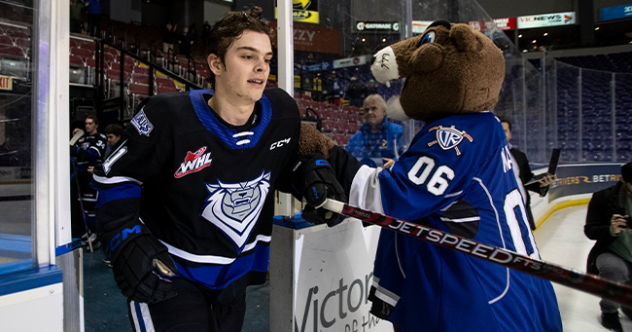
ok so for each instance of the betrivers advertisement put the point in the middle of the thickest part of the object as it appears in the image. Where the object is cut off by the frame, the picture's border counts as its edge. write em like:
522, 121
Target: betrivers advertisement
334, 269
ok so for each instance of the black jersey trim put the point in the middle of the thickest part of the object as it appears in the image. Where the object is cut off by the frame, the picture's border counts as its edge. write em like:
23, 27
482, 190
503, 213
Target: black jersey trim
227, 135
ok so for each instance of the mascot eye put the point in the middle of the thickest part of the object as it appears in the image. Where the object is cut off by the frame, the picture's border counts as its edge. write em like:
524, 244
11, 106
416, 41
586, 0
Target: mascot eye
428, 38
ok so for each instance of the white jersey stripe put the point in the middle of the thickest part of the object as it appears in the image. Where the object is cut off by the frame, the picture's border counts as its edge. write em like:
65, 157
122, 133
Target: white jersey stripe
470, 219
115, 179
210, 258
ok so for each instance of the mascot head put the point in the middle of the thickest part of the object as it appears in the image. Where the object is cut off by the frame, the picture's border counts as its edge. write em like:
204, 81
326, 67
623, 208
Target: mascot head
450, 69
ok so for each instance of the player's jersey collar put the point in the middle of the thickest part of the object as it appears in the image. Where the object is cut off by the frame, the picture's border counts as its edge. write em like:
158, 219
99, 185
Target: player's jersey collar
228, 135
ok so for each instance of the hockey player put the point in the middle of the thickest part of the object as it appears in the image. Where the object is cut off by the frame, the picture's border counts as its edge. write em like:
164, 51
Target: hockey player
89, 151
186, 201
457, 176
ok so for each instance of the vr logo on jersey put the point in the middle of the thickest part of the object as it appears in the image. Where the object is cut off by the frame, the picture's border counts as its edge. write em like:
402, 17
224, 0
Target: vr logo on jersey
235, 207
194, 162
449, 138
142, 124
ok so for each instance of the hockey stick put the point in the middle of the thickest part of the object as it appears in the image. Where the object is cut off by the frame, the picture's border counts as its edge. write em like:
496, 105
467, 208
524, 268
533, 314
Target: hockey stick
76, 137
585, 282
83, 213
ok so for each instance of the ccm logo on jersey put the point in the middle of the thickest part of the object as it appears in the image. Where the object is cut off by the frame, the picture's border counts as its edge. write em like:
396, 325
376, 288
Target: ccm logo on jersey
280, 143
194, 162
449, 138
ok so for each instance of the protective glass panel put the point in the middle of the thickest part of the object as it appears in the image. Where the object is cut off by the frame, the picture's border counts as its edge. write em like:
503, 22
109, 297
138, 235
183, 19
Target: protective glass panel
18, 34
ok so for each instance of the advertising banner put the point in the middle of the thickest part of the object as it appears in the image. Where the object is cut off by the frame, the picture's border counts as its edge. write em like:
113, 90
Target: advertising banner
334, 272
420, 26
583, 179
616, 12
377, 26
304, 11
313, 38
546, 20
351, 62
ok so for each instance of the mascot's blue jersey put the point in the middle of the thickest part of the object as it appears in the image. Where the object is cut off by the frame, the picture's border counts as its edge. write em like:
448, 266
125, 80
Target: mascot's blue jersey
203, 187
457, 177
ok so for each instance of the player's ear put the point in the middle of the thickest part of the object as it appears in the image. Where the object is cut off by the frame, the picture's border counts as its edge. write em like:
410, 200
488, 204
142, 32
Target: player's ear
214, 63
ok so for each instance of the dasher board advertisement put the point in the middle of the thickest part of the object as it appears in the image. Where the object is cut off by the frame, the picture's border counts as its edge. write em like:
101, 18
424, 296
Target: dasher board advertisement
546, 20
333, 277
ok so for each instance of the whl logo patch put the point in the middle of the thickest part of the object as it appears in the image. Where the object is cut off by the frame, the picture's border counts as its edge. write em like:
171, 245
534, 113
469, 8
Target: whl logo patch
194, 162
449, 138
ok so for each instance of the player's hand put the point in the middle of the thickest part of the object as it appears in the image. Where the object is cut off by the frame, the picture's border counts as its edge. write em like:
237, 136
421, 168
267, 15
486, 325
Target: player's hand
314, 179
141, 264
617, 224
547, 180
74, 131
90, 169
388, 162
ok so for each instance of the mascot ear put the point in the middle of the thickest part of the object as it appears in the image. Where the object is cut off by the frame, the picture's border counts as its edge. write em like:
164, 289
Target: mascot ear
465, 38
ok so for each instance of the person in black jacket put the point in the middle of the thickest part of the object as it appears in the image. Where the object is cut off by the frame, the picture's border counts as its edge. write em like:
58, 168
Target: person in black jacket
544, 180
611, 257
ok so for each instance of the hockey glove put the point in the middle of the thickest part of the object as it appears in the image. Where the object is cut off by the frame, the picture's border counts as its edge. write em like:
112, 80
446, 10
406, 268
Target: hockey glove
314, 179
141, 264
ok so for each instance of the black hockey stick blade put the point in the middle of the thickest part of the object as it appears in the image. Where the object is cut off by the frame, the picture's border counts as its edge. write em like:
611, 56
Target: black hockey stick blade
588, 283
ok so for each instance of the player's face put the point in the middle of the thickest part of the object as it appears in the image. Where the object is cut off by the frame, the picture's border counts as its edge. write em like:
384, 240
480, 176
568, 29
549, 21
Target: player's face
507, 131
113, 139
91, 127
374, 113
246, 67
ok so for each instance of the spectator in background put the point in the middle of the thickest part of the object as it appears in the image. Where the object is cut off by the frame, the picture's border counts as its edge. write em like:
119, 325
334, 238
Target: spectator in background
540, 187
94, 17
76, 22
331, 90
206, 31
185, 41
377, 139
89, 151
355, 92
113, 133
168, 37
371, 87
611, 257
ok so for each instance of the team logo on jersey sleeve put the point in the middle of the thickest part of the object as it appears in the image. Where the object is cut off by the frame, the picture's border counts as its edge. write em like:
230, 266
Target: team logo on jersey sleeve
235, 207
194, 162
449, 138
142, 124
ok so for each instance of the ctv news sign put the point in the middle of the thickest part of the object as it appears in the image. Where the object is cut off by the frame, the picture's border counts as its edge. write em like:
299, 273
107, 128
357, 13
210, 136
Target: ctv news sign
377, 26
616, 12
546, 20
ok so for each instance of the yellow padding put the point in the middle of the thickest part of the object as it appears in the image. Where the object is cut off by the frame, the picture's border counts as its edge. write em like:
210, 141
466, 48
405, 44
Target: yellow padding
559, 206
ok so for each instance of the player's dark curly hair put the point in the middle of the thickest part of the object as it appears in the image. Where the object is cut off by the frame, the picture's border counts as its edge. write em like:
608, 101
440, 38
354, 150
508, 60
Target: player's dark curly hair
626, 172
231, 27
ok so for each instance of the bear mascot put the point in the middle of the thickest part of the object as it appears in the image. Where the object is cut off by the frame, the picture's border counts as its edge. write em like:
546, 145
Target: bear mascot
457, 176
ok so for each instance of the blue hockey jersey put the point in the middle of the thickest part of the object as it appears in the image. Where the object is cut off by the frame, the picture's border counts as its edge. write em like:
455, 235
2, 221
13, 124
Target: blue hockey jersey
457, 176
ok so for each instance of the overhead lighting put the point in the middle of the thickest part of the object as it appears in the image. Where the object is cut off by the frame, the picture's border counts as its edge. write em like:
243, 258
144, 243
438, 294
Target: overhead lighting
519, 36
597, 28
534, 41
384, 40
546, 34
363, 40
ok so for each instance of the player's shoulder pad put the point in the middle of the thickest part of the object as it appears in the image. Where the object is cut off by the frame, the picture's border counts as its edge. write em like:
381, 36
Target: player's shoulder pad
160, 111
283, 105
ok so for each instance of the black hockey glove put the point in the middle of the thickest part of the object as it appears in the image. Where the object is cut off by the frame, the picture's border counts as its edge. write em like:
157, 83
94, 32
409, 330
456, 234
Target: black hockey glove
314, 179
141, 265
